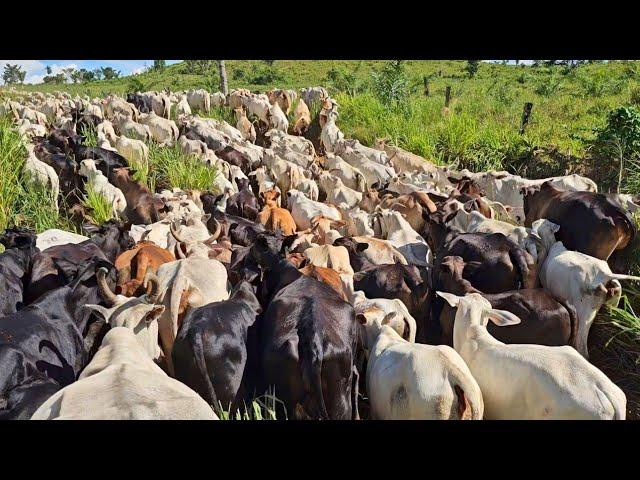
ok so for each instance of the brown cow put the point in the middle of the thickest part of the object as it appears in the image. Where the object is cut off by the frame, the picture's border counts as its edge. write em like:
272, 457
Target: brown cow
590, 222
142, 206
326, 275
411, 207
544, 320
145, 256
274, 217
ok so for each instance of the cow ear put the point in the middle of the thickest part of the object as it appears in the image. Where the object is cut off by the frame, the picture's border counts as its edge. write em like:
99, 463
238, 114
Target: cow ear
388, 318
90, 228
501, 317
361, 247
154, 313
100, 310
361, 318
451, 299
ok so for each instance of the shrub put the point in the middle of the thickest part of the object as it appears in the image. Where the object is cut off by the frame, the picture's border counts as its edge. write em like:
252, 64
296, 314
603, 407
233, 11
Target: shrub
391, 84
172, 168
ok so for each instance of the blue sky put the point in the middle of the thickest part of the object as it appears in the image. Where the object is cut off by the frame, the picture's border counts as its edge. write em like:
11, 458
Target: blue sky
36, 69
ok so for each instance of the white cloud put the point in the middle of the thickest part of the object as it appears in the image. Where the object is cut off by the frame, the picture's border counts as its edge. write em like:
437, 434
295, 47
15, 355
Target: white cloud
33, 68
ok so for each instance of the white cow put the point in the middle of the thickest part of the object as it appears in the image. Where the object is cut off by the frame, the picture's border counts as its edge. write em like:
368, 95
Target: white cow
163, 131
53, 236
529, 382
331, 135
583, 281
303, 209
410, 243
402, 322
100, 185
199, 100
42, 174
410, 381
123, 383
278, 118
187, 284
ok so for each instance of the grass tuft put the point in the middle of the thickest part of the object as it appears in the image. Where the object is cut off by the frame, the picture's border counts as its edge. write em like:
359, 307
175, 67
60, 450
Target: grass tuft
169, 168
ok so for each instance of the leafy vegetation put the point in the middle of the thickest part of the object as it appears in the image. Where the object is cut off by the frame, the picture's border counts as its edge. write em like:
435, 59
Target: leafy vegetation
169, 168
99, 209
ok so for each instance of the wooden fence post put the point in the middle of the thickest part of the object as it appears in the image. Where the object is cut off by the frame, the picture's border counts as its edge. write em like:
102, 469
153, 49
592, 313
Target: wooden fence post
425, 81
526, 113
447, 96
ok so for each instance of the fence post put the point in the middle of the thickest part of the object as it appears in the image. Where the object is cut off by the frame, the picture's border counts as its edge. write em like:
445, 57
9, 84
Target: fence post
447, 96
526, 113
425, 81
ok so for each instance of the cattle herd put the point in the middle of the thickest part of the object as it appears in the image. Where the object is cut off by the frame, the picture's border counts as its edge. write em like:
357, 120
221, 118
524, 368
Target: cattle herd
351, 281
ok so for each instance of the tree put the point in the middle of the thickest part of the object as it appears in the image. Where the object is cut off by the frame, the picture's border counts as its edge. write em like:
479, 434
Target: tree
472, 67
77, 76
48, 69
224, 85
97, 74
159, 65
13, 74
69, 72
87, 75
108, 73
57, 79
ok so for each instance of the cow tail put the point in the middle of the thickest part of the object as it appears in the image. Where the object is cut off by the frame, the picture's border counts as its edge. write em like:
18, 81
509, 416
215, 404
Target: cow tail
573, 318
198, 357
520, 263
467, 394
312, 370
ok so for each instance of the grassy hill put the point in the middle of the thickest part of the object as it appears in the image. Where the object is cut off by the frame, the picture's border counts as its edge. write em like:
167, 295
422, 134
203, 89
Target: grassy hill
479, 132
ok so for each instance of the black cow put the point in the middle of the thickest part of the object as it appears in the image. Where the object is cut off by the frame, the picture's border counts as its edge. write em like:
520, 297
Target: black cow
44, 341
15, 266
308, 340
58, 265
139, 102
244, 203
106, 160
210, 351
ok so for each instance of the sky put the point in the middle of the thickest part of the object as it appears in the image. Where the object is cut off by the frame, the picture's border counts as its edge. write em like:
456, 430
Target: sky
36, 69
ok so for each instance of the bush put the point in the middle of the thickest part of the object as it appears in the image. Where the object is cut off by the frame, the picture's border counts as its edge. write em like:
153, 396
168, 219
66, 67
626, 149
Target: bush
172, 168
548, 86
472, 67
344, 80
620, 138
265, 75
391, 84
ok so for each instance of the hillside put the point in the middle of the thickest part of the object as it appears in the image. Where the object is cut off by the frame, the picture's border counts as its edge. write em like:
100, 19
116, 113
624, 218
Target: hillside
481, 130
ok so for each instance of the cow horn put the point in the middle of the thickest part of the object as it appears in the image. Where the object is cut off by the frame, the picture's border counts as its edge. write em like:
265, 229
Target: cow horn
103, 288
179, 253
153, 278
217, 232
174, 232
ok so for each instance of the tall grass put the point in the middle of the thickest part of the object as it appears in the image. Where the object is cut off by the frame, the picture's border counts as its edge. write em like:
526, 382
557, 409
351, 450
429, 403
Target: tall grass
99, 207
23, 203
261, 408
169, 168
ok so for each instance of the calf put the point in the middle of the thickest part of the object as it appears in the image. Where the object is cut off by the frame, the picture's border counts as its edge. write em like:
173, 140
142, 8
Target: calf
210, 351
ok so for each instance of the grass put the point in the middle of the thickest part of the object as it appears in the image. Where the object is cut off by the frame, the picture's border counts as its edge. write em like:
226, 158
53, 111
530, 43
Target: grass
23, 203
261, 408
99, 207
169, 168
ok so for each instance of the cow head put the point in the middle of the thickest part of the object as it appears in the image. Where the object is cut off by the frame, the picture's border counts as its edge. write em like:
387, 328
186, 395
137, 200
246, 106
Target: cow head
18, 238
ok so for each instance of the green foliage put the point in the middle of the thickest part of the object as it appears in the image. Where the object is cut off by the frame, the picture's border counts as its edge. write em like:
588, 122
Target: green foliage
98, 207
266, 75
90, 136
159, 65
391, 84
13, 74
135, 84
345, 80
548, 85
472, 67
109, 73
23, 203
261, 408
169, 167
